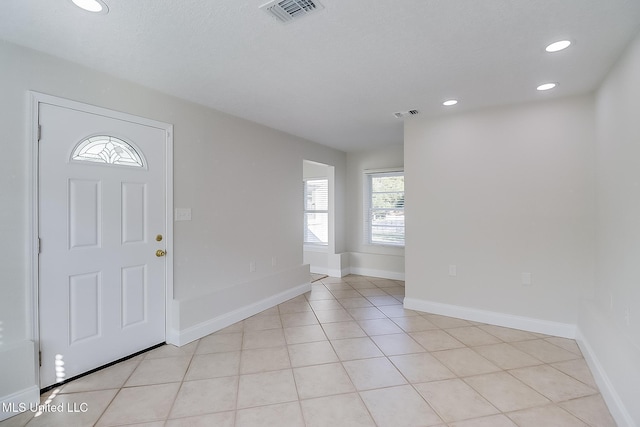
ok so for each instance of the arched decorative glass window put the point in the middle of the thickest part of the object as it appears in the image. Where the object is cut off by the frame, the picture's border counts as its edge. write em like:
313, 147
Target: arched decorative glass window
107, 149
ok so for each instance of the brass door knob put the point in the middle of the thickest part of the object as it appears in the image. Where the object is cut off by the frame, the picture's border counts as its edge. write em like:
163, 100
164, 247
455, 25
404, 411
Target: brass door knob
160, 253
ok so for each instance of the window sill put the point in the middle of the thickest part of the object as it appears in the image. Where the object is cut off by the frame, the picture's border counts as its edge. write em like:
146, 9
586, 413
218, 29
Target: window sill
384, 245
315, 248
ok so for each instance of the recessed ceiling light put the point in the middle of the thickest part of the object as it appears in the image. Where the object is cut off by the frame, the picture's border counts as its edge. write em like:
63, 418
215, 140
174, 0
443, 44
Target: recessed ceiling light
557, 46
450, 102
95, 6
547, 86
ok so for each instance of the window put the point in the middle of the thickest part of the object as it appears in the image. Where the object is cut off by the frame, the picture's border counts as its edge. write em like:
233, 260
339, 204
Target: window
107, 149
316, 211
384, 208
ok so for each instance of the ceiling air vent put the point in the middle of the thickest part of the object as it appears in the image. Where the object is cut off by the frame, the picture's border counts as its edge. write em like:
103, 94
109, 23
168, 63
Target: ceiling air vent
401, 114
288, 10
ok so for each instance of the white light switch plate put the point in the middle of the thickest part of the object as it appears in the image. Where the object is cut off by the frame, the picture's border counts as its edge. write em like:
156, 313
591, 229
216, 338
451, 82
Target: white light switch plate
183, 214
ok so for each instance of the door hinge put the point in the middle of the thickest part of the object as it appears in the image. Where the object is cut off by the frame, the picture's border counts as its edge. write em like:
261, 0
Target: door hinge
39, 132
39, 245
40, 358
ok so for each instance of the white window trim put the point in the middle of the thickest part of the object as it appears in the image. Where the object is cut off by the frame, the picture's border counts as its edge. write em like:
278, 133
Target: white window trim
368, 173
315, 246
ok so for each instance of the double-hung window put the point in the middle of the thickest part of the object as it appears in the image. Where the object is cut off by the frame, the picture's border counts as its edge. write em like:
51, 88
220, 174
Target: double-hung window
384, 208
316, 211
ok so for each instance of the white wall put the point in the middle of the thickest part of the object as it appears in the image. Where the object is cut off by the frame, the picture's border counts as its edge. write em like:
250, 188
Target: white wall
498, 193
366, 259
612, 339
241, 180
312, 170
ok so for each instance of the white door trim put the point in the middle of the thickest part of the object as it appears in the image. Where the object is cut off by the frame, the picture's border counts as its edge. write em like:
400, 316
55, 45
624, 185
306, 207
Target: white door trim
38, 98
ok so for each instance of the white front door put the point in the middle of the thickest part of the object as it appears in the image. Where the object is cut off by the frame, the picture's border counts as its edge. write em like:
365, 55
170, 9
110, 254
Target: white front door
102, 217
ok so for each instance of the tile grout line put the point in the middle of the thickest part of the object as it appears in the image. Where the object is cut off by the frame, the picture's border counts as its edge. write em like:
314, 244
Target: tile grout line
295, 383
175, 398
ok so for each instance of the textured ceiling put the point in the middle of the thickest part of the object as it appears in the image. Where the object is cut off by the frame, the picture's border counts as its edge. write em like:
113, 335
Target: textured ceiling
336, 77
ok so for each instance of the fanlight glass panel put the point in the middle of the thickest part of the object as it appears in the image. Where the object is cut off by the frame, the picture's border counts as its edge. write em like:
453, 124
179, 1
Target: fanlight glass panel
107, 149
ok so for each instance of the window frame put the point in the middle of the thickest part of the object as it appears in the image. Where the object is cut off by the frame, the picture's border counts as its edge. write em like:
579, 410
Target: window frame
80, 152
368, 208
306, 211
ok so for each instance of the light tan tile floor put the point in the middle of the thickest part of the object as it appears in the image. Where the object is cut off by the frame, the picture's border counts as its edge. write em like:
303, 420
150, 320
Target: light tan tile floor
345, 354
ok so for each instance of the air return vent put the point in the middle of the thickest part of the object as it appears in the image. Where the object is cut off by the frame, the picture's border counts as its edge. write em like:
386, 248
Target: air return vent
401, 114
289, 10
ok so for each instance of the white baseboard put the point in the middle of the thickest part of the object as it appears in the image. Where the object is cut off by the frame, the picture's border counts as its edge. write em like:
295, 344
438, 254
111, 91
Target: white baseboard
611, 397
18, 402
318, 270
202, 329
330, 271
557, 329
338, 273
337, 265
383, 274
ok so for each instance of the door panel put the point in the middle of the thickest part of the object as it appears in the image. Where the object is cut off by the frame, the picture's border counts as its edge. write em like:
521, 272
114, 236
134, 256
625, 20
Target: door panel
84, 307
133, 295
101, 286
133, 212
84, 213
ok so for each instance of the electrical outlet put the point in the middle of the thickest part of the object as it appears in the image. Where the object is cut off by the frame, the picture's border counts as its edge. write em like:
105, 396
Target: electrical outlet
627, 317
527, 279
274, 261
453, 270
252, 266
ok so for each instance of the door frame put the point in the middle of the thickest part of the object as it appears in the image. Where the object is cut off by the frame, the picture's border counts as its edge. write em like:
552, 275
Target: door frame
37, 98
